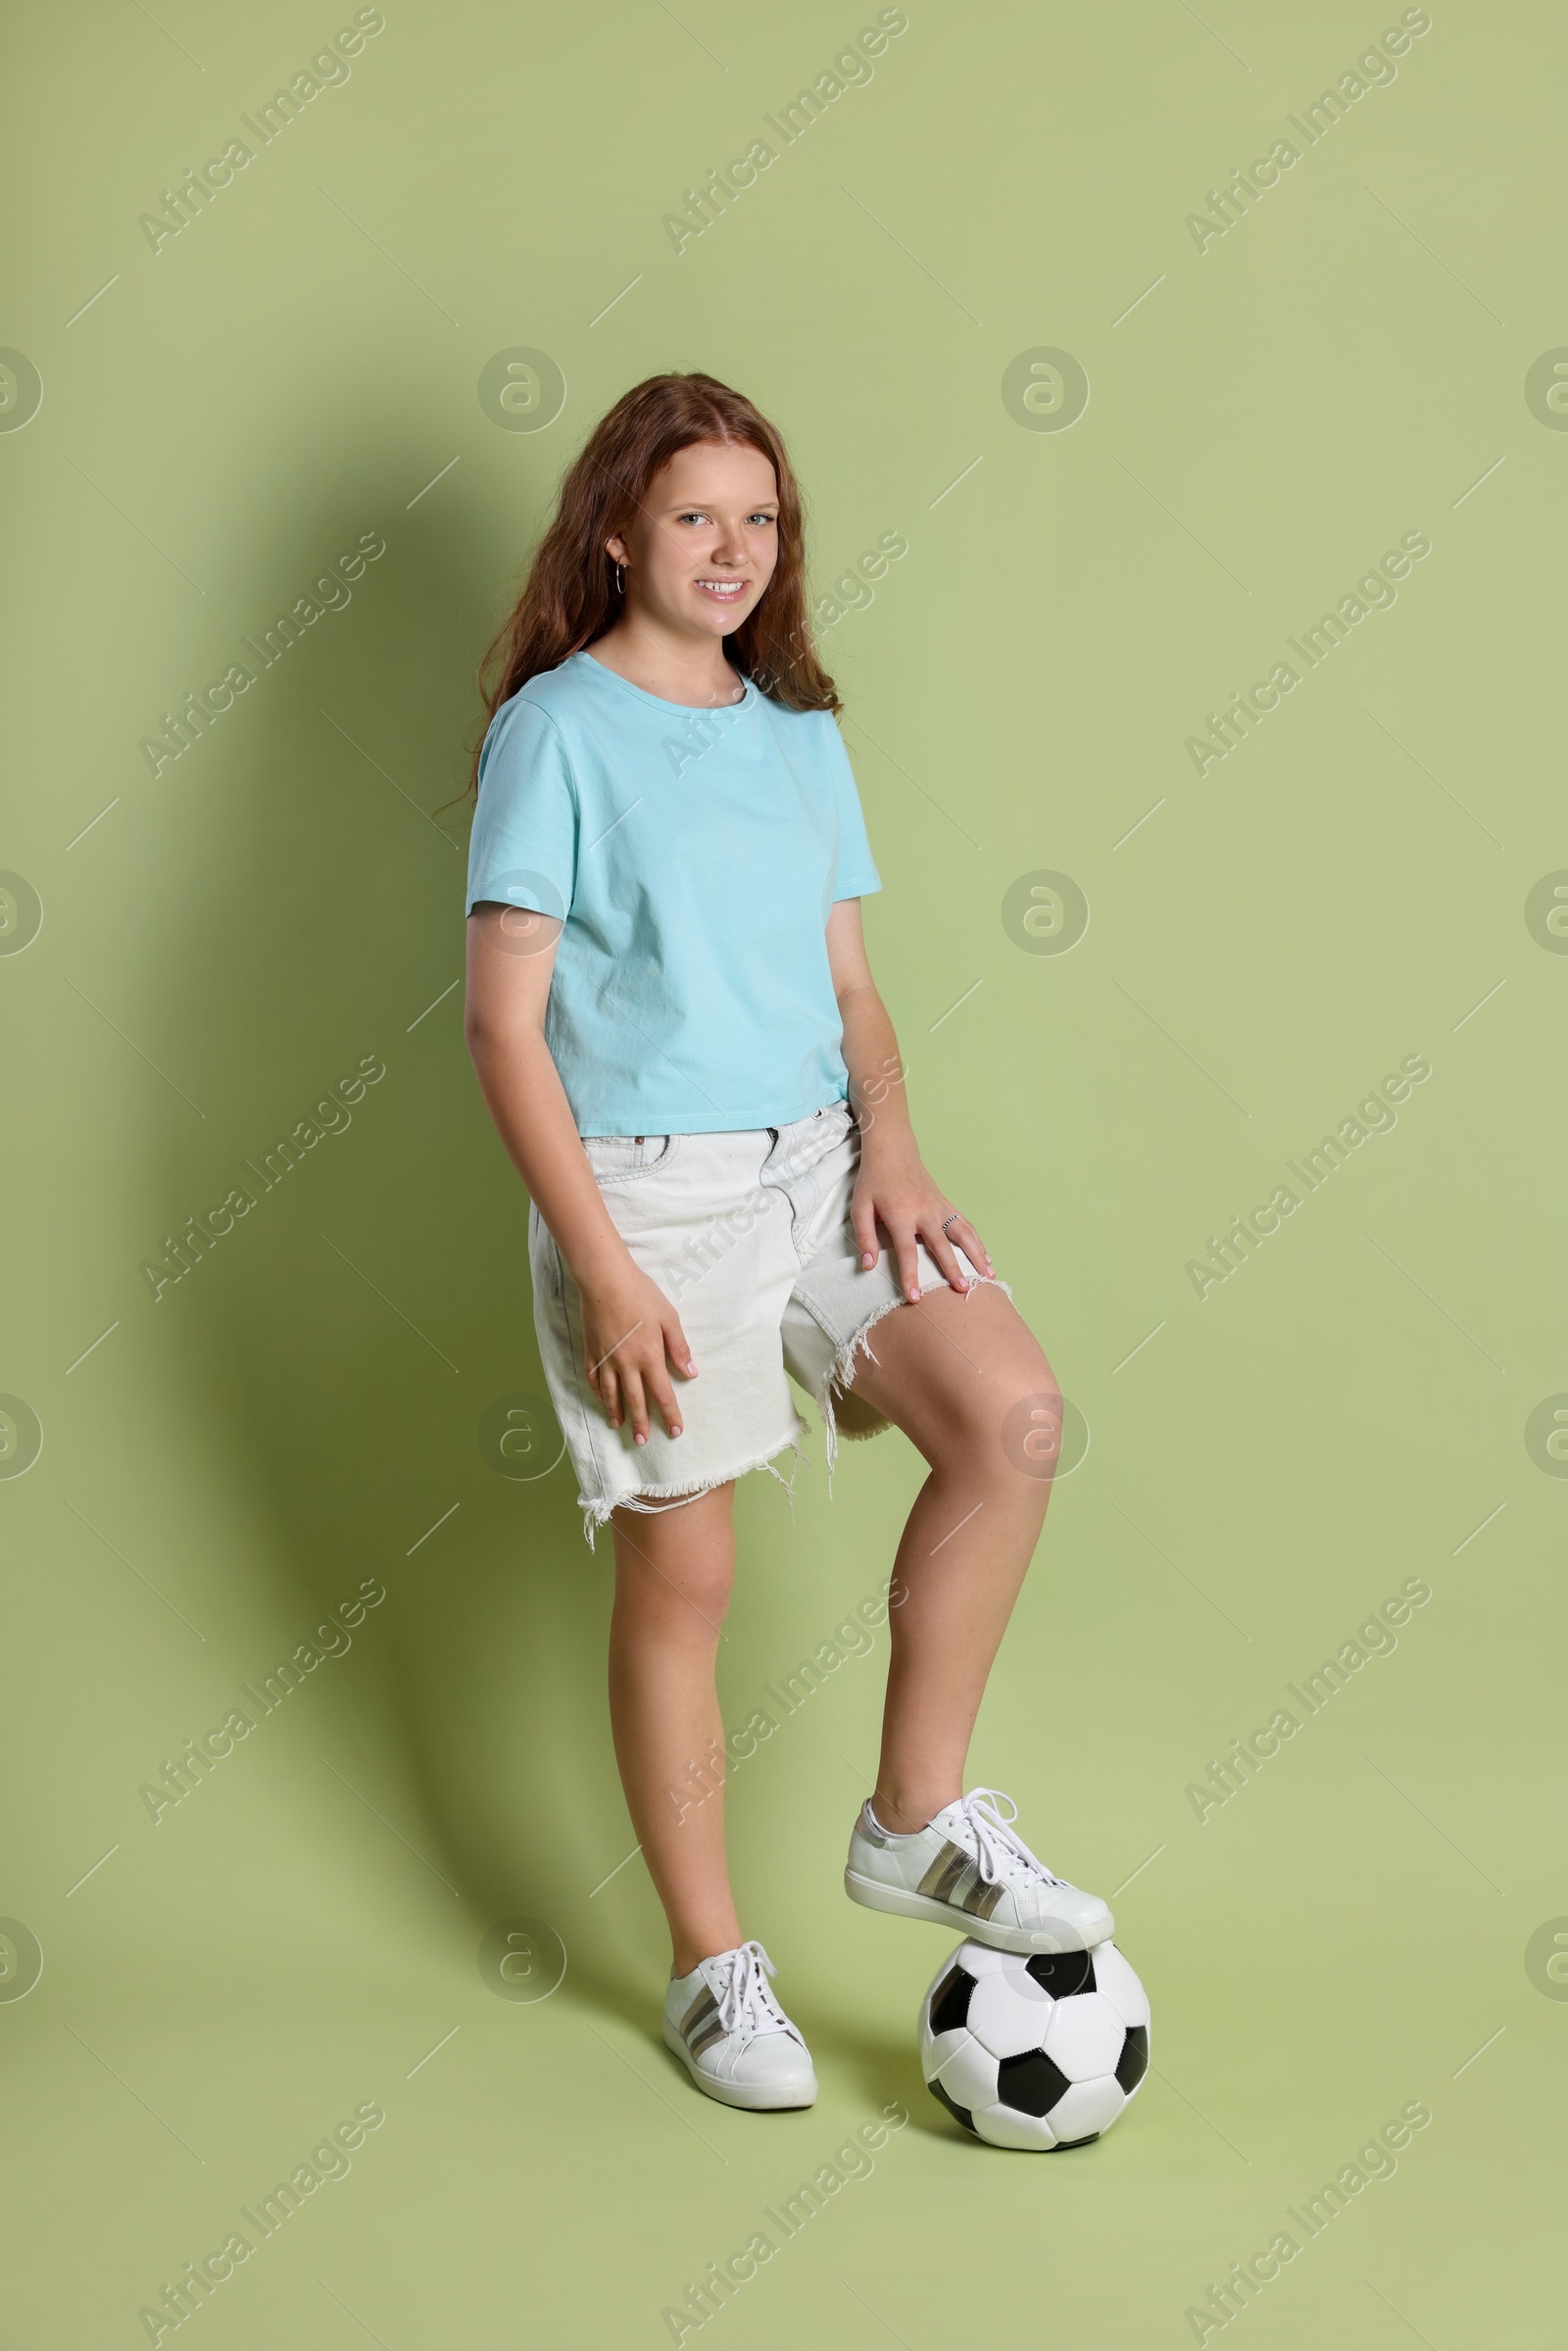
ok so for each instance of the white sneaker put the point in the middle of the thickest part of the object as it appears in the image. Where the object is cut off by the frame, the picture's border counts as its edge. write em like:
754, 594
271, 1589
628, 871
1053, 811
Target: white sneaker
966, 1869
737, 2044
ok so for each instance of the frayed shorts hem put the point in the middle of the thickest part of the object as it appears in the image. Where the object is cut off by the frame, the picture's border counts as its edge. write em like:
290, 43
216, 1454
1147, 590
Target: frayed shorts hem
652, 1501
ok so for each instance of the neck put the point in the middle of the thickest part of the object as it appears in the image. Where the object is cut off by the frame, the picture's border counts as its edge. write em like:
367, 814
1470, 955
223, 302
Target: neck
668, 663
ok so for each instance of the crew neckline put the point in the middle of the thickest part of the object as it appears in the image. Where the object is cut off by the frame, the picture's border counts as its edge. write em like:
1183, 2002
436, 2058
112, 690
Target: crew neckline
688, 710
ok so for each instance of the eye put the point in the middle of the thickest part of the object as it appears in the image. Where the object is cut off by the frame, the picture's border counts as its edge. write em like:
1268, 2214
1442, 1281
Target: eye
691, 515
764, 520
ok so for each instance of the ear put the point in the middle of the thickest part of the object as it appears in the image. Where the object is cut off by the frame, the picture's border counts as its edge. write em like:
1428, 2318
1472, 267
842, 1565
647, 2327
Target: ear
616, 549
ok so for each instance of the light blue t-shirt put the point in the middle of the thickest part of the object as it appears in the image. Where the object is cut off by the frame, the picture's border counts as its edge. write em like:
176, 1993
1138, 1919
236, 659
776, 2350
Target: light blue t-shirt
694, 856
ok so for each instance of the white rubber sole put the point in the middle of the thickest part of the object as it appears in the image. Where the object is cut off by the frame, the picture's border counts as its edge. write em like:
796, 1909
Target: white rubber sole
768, 2098
898, 1903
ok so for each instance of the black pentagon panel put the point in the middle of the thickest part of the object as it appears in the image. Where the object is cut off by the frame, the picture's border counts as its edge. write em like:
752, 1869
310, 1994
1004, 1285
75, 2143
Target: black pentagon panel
1133, 2063
950, 2002
961, 2112
1062, 2144
1030, 2084
1063, 1973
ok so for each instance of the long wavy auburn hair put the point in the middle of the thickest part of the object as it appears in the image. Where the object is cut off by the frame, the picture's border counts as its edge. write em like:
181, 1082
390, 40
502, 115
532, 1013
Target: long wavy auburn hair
570, 598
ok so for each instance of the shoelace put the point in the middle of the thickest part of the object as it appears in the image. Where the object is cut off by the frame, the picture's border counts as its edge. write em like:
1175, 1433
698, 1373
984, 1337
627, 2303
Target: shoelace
745, 2004
1001, 1854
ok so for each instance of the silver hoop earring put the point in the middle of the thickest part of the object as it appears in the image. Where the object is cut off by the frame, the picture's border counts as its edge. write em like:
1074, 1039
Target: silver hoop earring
620, 579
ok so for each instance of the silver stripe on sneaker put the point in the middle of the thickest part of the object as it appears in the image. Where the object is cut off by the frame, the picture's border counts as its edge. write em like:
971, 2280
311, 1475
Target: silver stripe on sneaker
981, 1900
954, 1878
961, 1891
700, 2027
944, 1872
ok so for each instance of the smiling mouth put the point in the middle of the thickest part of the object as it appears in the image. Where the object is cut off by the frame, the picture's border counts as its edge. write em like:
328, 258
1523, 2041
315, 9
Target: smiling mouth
722, 590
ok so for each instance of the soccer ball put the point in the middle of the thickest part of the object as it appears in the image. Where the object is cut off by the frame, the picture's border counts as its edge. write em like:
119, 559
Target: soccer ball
1040, 2052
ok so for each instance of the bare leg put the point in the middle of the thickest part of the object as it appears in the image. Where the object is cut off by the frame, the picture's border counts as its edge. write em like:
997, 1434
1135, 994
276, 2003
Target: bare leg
948, 1372
673, 1573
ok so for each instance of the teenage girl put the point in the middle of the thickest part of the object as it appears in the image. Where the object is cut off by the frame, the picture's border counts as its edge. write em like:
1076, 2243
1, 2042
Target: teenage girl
676, 1030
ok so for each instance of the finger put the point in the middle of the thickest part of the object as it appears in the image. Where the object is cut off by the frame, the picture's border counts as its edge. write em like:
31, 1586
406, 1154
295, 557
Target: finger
609, 1388
904, 1250
663, 1396
973, 1247
678, 1348
636, 1406
863, 1213
942, 1249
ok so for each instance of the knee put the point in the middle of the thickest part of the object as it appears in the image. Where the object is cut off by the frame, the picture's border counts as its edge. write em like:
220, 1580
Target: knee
1029, 1434
1014, 1423
684, 1601
1029, 1379
700, 1599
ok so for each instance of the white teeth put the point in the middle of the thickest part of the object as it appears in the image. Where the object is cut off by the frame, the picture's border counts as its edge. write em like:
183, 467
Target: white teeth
721, 587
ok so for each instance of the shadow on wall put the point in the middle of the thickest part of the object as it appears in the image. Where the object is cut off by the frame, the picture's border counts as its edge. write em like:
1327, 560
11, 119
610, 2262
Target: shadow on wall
347, 1336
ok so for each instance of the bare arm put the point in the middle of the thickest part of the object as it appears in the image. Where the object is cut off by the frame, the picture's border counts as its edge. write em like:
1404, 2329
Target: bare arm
893, 1188
629, 1326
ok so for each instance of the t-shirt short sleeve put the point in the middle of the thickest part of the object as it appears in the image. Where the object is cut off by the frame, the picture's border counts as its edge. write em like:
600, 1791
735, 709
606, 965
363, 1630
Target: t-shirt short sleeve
855, 874
522, 850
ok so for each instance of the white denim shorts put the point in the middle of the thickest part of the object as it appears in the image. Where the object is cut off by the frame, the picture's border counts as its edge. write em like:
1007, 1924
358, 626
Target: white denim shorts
749, 1236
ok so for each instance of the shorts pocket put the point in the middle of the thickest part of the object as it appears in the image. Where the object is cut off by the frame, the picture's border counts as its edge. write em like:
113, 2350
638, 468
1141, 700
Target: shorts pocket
620, 1158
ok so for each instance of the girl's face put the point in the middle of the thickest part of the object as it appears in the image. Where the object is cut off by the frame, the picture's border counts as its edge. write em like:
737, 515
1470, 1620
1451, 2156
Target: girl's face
702, 546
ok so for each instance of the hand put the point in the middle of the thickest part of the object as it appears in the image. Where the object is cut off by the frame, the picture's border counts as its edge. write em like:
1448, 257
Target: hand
894, 1188
630, 1329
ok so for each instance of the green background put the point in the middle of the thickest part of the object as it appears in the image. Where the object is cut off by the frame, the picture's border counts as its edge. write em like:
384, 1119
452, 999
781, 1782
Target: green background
223, 417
